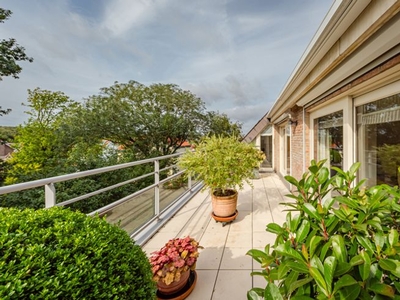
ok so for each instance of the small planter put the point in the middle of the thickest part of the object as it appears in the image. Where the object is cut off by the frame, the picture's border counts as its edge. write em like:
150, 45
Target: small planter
184, 292
224, 206
175, 286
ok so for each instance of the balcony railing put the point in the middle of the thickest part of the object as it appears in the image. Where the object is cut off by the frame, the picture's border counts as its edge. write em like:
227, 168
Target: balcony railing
141, 213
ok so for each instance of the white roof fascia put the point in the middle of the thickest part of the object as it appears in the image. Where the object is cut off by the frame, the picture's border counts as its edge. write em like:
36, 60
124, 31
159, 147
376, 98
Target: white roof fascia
340, 16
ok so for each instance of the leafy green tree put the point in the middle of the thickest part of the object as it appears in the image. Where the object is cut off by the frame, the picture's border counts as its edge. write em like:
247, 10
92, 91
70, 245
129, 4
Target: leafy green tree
149, 120
7, 133
221, 125
10, 52
38, 142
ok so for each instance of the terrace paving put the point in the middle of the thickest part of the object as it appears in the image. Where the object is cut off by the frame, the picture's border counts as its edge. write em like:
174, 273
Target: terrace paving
223, 268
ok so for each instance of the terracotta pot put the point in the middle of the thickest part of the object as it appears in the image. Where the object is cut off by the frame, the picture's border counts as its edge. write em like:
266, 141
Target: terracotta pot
224, 206
174, 286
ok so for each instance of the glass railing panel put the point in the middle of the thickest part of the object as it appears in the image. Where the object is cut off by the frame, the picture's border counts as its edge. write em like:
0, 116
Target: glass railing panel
172, 190
133, 213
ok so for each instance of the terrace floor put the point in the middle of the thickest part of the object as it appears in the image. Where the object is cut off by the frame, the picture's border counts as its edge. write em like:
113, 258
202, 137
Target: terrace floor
223, 268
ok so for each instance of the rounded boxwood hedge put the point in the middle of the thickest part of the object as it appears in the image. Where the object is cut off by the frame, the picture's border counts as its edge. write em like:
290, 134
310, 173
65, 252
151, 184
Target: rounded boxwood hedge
60, 254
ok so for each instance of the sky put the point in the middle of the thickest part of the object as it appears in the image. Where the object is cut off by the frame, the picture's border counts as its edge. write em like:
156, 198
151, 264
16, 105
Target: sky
236, 55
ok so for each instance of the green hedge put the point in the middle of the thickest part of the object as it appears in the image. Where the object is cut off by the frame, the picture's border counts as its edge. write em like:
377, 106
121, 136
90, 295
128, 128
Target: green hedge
60, 254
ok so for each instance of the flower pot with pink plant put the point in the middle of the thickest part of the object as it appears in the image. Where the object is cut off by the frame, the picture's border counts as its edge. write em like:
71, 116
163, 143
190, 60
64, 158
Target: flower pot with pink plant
173, 264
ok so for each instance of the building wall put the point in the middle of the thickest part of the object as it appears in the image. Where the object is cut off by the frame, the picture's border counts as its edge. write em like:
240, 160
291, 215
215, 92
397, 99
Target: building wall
360, 61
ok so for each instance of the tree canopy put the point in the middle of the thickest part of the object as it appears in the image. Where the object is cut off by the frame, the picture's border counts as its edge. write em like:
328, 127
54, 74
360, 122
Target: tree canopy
149, 120
10, 52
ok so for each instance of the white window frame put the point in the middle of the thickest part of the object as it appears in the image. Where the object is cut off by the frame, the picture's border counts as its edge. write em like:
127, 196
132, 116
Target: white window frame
344, 104
375, 95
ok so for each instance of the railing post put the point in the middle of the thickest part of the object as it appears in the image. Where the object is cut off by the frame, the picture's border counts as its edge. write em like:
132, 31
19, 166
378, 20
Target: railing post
157, 188
50, 195
190, 183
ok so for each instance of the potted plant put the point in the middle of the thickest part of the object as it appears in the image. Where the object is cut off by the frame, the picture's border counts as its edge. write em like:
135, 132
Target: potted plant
224, 164
173, 263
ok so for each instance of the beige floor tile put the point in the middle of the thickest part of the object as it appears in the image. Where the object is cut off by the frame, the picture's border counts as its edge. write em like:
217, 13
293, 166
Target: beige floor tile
239, 239
243, 222
204, 285
262, 238
236, 259
158, 241
213, 239
232, 284
209, 258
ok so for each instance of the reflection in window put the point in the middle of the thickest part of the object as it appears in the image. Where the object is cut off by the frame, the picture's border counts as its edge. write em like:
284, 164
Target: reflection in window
329, 142
378, 137
287, 149
266, 147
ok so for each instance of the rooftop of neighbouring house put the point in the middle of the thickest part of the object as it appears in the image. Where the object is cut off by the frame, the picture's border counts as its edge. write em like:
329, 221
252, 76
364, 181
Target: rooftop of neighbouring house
223, 268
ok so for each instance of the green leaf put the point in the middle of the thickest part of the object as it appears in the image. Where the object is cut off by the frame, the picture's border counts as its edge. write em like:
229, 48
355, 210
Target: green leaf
295, 285
339, 248
329, 269
382, 289
366, 243
315, 240
323, 175
285, 249
303, 231
387, 264
393, 237
350, 292
272, 292
294, 223
345, 280
364, 269
342, 268
375, 223
298, 267
260, 256
310, 210
356, 260
255, 294
292, 180
292, 277
274, 228
379, 239
319, 279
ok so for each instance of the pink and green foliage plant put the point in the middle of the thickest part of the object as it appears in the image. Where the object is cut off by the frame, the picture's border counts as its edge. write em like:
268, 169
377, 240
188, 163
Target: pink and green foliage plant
175, 257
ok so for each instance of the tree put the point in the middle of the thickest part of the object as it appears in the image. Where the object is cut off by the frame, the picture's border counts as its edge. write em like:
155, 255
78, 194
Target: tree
10, 53
220, 124
38, 142
149, 120
4, 111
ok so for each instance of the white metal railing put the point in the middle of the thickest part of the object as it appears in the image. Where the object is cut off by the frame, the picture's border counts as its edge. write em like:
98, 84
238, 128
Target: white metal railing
50, 190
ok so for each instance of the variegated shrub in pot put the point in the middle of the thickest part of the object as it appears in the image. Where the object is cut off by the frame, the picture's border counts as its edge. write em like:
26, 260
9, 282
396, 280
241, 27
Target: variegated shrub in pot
340, 241
224, 164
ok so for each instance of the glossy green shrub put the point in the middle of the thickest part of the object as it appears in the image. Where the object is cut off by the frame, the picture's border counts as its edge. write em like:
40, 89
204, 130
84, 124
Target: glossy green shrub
60, 254
344, 246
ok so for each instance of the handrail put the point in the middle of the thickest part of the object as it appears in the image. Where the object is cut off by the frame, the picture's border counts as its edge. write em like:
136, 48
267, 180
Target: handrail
150, 226
47, 181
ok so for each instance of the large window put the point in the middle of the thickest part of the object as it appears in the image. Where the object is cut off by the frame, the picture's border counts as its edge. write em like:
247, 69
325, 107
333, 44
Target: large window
378, 140
329, 141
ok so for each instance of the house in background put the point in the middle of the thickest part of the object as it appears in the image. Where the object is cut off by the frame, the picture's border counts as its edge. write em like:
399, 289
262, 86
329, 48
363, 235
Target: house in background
5, 150
342, 101
261, 136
